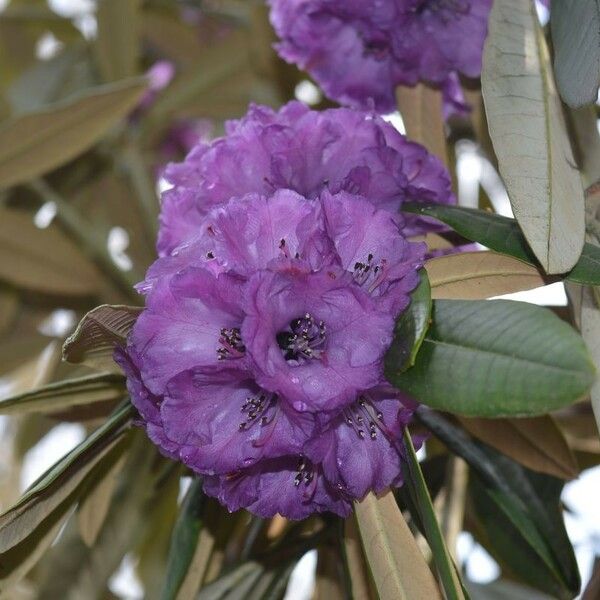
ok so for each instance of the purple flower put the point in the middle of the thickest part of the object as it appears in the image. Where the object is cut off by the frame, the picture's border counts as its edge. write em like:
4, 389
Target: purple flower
359, 51
258, 360
304, 151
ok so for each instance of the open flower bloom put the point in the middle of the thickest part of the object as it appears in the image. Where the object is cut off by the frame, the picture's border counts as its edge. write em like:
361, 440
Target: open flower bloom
359, 51
305, 151
258, 361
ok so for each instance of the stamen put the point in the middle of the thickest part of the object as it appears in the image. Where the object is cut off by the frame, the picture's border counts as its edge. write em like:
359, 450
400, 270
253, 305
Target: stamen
257, 409
232, 345
362, 413
305, 474
370, 275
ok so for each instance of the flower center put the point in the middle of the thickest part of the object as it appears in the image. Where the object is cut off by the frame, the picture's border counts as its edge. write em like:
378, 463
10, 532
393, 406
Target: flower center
304, 339
231, 344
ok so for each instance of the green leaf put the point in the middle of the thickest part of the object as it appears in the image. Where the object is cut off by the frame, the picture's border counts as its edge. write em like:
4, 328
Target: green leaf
398, 567
497, 358
504, 590
528, 501
514, 540
94, 504
20, 558
576, 42
184, 540
504, 235
53, 397
415, 481
118, 40
63, 478
45, 81
529, 136
35, 143
219, 588
411, 327
98, 334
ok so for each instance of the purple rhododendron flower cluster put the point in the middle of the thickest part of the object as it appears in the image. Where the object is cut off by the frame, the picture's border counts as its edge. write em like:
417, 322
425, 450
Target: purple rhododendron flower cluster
360, 50
258, 361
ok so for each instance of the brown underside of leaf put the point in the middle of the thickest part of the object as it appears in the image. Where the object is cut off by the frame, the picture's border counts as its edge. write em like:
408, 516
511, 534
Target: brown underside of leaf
421, 110
43, 260
480, 275
537, 443
397, 565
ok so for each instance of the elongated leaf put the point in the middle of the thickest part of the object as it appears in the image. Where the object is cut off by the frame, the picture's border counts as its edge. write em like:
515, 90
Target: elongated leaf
529, 500
98, 334
411, 327
184, 540
590, 330
504, 590
9, 306
357, 569
117, 44
479, 275
219, 588
398, 567
576, 40
497, 358
86, 571
18, 560
94, 506
34, 143
226, 60
60, 481
447, 571
43, 260
422, 114
53, 397
515, 542
201, 560
45, 81
160, 519
329, 585
530, 137
503, 235
536, 442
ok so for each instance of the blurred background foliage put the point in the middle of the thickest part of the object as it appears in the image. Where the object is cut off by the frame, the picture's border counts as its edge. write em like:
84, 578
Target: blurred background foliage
93, 102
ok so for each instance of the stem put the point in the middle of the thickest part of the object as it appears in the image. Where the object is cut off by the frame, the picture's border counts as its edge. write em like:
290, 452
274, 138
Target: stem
86, 236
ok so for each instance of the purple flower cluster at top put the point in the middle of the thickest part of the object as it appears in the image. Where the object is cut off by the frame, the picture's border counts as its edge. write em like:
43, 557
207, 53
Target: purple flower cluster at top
283, 264
360, 50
